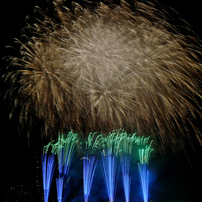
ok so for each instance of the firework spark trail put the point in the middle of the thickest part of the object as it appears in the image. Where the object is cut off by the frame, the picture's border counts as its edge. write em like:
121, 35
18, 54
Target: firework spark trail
144, 155
48, 167
109, 167
60, 179
125, 167
109, 162
64, 148
125, 150
107, 67
59, 185
92, 145
89, 166
144, 176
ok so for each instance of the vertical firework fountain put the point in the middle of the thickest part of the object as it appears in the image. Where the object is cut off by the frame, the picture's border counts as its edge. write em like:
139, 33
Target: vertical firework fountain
89, 163
144, 154
125, 155
48, 167
109, 163
64, 149
89, 166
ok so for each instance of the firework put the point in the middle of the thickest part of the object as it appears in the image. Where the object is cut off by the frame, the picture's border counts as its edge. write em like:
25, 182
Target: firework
111, 143
118, 144
64, 148
109, 163
59, 184
126, 142
109, 168
48, 161
92, 145
126, 178
89, 166
125, 150
144, 176
144, 154
106, 67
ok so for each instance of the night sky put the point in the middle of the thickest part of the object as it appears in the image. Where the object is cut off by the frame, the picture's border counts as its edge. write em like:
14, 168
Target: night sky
173, 171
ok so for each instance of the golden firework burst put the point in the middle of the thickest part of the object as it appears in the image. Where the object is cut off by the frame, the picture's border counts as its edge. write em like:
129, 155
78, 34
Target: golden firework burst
106, 67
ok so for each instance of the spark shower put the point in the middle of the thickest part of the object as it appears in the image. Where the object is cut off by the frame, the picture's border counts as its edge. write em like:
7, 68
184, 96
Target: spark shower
101, 66
112, 152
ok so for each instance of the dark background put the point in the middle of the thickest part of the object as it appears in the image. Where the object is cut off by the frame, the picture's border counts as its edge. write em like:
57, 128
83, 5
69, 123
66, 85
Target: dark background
175, 175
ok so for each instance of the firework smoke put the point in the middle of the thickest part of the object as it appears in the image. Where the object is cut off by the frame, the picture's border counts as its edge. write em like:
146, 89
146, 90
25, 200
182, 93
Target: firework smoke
105, 67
